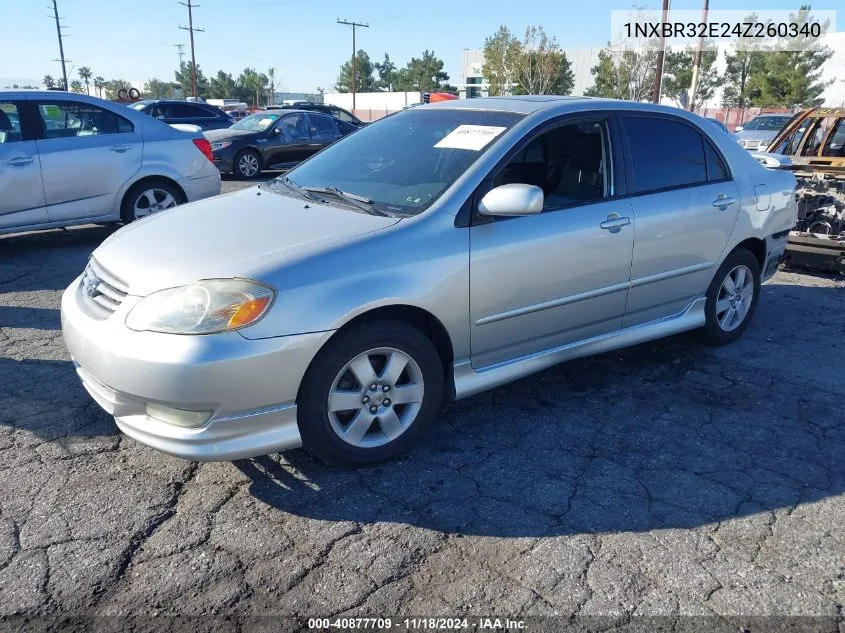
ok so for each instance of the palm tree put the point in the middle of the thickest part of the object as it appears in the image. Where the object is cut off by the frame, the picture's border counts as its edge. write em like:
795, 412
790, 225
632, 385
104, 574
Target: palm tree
99, 84
271, 73
76, 86
48, 81
85, 75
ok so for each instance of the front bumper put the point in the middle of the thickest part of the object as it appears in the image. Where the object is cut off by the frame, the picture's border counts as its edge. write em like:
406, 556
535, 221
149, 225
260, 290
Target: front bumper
223, 161
250, 386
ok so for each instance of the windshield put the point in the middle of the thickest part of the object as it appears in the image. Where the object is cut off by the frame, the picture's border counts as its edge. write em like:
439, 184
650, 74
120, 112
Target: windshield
140, 105
258, 122
772, 123
404, 162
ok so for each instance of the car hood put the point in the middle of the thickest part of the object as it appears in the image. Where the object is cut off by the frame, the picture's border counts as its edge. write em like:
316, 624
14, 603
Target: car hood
227, 134
249, 233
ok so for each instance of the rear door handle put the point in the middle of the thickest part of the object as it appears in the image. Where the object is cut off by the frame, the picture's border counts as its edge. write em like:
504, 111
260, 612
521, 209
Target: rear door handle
120, 148
723, 202
614, 223
20, 160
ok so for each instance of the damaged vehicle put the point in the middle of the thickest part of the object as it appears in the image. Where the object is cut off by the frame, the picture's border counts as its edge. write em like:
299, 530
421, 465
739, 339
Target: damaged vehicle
812, 146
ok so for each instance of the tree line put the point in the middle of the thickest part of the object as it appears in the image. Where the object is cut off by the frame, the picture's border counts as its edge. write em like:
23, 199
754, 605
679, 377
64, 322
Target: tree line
752, 78
423, 74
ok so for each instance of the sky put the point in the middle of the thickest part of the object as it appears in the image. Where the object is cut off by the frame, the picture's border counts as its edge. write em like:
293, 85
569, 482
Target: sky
136, 40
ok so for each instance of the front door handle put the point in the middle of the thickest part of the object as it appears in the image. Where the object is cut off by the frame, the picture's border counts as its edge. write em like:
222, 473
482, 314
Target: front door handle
20, 160
723, 202
120, 148
615, 222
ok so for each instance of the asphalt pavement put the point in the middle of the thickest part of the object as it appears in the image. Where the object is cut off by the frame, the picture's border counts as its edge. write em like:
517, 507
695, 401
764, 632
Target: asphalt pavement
670, 479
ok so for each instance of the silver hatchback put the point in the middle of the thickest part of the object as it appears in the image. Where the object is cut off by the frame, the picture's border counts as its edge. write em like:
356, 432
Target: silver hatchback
441, 251
70, 159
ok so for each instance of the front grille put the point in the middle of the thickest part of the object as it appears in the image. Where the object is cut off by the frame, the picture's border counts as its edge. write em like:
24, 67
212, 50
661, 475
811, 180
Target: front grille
102, 292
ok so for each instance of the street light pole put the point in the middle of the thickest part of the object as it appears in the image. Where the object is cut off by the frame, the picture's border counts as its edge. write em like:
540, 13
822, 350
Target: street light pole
354, 25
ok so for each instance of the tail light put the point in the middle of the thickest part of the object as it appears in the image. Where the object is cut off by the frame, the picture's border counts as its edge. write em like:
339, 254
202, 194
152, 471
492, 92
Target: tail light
205, 147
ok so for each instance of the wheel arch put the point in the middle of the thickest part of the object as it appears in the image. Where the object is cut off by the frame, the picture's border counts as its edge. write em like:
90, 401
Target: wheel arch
756, 246
416, 317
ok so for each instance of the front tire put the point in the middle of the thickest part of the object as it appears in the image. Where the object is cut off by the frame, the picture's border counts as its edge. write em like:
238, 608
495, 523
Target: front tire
247, 164
370, 394
731, 298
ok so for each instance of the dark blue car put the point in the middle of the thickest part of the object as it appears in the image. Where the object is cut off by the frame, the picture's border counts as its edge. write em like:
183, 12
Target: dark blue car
208, 117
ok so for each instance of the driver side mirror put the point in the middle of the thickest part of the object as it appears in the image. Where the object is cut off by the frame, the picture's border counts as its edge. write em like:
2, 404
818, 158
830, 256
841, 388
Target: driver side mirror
514, 199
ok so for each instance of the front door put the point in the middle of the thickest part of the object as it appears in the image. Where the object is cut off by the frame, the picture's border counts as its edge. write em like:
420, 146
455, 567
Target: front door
686, 204
87, 154
292, 141
21, 192
324, 131
541, 281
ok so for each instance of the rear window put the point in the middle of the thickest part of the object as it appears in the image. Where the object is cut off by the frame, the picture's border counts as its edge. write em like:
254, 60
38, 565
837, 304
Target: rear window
665, 153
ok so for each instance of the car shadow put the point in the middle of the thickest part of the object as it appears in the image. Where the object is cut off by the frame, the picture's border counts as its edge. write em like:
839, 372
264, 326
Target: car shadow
669, 434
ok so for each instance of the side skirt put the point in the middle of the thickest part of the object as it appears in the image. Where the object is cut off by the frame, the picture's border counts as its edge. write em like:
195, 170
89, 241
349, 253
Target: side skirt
469, 381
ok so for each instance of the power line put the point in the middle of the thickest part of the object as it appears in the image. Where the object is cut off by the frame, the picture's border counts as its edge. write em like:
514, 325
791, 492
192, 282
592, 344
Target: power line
190, 28
61, 46
354, 25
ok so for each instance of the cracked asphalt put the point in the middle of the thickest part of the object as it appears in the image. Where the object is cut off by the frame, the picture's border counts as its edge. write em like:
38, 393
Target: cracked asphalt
670, 479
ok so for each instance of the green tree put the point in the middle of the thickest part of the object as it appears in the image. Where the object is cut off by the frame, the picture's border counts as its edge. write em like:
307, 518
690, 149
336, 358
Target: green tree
742, 70
386, 73
271, 85
424, 74
223, 86
677, 77
157, 89
76, 86
502, 52
542, 67
99, 84
364, 81
184, 79
624, 74
792, 78
112, 86
251, 85
48, 81
85, 75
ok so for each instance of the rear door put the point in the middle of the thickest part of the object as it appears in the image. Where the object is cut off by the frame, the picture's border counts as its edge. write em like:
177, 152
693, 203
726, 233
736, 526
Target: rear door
21, 192
87, 154
686, 204
324, 131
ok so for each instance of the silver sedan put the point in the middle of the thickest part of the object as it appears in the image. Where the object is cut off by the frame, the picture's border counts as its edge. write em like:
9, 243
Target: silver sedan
70, 159
439, 252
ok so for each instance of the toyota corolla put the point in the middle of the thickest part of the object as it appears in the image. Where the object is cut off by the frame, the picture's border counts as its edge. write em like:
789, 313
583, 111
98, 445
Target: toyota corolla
444, 250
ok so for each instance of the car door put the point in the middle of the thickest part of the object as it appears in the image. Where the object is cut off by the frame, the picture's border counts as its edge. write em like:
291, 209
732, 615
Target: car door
324, 131
87, 154
686, 204
293, 140
21, 191
545, 280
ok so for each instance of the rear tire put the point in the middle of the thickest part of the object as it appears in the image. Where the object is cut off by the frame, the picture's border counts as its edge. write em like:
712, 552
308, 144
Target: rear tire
148, 197
247, 164
370, 394
731, 298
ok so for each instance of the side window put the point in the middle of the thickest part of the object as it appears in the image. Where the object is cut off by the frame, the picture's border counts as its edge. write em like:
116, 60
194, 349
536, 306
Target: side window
835, 146
10, 123
323, 128
343, 115
664, 153
63, 119
295, 129
716, 170
569, 163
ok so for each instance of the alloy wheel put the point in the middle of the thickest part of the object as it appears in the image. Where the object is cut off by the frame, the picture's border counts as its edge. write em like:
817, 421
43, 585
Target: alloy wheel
248, 165
152, 201
734, 298
375, 397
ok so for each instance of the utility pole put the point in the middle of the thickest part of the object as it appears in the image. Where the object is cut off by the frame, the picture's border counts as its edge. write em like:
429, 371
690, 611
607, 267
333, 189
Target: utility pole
658, 70
696, 62
354, 25
61, 46
181, 53
190, 28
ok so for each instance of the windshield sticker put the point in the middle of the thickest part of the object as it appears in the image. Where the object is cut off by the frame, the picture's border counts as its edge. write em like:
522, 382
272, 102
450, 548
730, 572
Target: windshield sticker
473, 137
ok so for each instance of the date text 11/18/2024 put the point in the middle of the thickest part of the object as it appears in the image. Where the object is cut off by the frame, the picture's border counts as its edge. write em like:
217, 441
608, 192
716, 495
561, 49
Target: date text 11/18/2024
415, 624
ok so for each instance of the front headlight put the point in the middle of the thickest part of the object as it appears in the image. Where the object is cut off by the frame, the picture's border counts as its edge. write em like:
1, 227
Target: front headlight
205, 307
220, 145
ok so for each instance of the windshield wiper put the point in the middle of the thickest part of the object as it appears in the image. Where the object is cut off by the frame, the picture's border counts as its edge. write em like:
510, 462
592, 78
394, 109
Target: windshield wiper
363, 203
292, 186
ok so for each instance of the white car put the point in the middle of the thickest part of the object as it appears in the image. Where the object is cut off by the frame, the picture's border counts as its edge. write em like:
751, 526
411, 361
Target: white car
70, 159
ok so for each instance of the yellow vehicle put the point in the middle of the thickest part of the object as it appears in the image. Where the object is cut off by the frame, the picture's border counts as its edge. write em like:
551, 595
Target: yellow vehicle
814, 141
